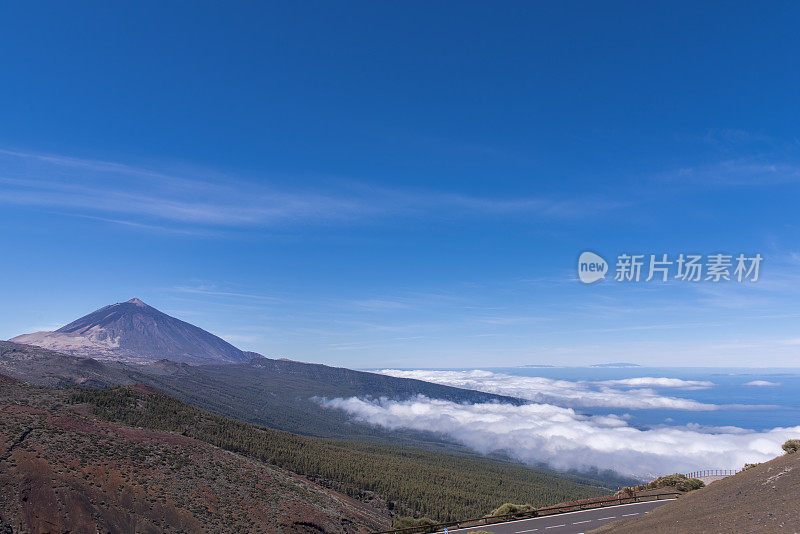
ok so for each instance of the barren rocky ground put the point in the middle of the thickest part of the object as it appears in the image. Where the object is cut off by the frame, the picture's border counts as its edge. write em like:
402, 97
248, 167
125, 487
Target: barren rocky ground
763, 499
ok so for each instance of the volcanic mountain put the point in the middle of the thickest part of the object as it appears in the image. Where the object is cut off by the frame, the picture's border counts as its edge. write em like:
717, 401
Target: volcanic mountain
134, 332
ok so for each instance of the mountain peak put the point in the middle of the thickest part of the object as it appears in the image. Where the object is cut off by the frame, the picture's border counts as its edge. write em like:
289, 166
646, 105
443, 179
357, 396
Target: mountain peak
132, 331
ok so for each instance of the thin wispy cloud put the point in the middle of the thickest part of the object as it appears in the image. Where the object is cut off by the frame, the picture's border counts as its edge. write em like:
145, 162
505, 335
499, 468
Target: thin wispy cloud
762, 383
735, 173
227, 207
726, 138
200, 290
382, 304
117, 192
149, 227
239, 338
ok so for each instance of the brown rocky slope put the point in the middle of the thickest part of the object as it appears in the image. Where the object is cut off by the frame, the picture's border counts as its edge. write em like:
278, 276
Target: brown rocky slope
64, 470
763, 499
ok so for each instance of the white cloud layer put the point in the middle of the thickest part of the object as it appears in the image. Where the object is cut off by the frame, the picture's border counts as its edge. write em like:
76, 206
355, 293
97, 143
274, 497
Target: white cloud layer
566, 392
565, 439
762, 383
658, 382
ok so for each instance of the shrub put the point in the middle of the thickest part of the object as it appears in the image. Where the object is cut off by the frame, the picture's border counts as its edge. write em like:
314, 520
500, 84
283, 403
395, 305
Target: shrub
677, 481
748, 466
509, 508
791, 446
690, 484
424, 523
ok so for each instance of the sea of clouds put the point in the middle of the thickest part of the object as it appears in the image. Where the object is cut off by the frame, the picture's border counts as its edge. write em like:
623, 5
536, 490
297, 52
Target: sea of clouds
639, 393
551, 430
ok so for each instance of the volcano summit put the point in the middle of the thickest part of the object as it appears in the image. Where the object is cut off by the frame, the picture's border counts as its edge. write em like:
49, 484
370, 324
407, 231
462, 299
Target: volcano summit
134, 332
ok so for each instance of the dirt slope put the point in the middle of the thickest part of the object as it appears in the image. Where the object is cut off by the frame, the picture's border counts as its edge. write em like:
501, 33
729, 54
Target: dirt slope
63, 470
763, 499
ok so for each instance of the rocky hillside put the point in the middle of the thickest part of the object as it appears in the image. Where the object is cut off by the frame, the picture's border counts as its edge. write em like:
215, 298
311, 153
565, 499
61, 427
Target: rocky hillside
134, 332
64, 470
397, 472
45, 367
762, 499
274, 393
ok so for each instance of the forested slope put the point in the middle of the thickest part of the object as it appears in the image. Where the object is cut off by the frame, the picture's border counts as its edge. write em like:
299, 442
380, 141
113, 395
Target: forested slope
63, 469
278, 393
440, 485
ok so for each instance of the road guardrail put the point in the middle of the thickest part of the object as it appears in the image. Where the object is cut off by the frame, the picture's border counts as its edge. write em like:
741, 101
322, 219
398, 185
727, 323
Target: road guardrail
712, 473
573, 506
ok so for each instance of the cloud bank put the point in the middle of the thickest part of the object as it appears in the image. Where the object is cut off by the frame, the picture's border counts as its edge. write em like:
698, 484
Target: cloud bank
568, 393
659, 382
565, 439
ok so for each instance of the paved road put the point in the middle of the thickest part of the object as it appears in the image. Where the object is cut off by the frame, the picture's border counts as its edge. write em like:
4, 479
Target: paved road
571, 522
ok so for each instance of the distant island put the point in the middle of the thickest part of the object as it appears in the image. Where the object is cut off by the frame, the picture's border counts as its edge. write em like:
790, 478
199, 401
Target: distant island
535, 365
619, 364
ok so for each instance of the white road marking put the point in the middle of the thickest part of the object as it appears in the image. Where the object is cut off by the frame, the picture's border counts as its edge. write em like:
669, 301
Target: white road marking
469, 529
531, 530
556, 526
579, 522
604, 518
626, 515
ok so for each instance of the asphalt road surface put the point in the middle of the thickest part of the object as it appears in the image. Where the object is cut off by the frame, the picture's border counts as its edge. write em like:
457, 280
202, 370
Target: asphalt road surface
571, 522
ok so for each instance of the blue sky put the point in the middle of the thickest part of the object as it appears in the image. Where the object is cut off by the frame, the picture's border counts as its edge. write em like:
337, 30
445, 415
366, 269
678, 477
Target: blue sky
405, 184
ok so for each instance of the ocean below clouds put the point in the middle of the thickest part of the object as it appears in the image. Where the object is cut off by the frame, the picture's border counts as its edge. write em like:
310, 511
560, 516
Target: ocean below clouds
637, 421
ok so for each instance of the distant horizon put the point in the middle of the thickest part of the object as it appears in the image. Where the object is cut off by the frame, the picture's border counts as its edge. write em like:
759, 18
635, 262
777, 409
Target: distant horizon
596, 365
571, 367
